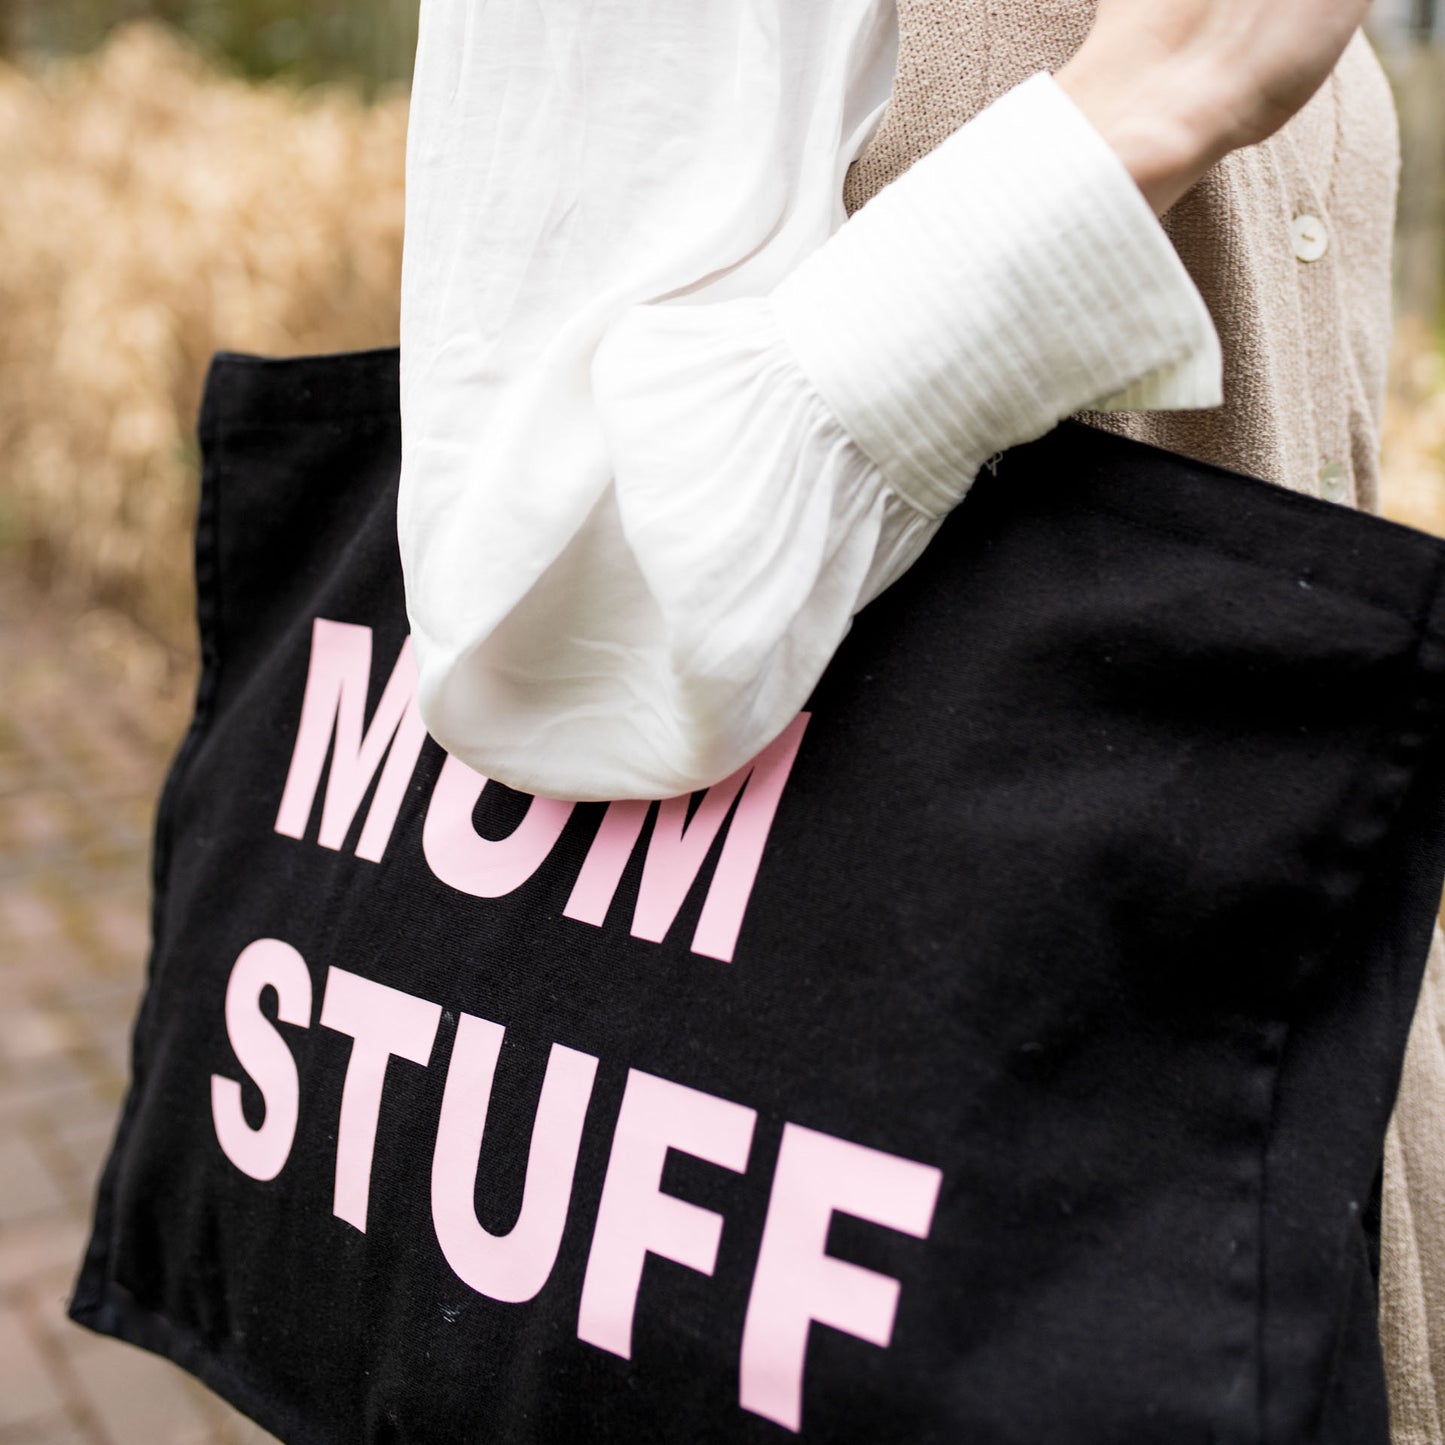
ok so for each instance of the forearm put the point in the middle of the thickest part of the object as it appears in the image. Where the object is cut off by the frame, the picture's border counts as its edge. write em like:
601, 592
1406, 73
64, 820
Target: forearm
1165, 135
1174, 85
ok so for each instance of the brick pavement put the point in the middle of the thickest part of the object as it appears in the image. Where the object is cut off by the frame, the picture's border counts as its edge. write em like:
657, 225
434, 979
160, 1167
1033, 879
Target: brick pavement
89, 713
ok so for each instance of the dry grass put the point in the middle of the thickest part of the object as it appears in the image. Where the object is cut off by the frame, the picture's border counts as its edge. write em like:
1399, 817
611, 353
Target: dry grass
1414, 438
155, 212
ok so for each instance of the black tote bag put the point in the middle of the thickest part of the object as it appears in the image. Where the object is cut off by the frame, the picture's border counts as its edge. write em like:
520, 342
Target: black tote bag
1004, 1057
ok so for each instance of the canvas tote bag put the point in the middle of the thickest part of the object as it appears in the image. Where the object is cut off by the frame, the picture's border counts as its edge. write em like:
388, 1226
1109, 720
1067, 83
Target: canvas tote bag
1004, 1057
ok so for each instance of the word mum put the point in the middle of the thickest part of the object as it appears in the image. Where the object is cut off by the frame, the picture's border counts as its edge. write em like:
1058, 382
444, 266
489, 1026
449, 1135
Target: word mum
333, 719
795, 1281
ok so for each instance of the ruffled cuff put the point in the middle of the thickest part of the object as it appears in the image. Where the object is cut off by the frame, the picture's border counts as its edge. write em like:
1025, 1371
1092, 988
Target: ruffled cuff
757, 527
1014, 276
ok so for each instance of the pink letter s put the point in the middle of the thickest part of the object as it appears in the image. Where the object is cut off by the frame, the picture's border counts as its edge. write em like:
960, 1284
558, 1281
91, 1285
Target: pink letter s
262, 1053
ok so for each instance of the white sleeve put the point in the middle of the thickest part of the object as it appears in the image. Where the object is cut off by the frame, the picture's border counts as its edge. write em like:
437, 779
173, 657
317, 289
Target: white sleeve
628, 581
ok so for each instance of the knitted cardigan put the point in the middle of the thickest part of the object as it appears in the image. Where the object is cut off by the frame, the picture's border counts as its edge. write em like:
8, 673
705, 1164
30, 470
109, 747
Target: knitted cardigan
1306, 334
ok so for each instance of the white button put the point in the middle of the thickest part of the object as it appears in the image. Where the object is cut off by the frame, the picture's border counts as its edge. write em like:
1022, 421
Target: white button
1311, 240
1335, 482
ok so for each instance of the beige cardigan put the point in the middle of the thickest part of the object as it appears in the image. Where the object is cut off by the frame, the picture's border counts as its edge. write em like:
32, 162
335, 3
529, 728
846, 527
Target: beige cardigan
1290, 244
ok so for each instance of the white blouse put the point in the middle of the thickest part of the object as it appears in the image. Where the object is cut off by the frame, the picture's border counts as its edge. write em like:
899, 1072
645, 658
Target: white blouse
669, 421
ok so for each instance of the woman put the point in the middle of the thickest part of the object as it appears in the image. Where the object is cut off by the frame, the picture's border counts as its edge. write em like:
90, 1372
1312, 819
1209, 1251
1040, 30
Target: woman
669, 422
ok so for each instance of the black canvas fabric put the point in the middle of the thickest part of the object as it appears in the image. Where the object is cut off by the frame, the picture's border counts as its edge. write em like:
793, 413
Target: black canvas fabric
1008, 1061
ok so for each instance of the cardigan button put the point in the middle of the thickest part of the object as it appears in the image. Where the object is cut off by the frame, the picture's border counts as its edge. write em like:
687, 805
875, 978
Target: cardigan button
1311, 240
1335, 482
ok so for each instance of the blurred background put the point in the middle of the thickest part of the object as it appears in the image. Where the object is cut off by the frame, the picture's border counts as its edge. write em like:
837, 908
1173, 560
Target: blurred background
177, 177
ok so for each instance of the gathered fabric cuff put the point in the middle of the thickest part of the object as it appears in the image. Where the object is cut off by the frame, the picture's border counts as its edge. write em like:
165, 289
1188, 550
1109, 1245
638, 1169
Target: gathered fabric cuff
1014, 276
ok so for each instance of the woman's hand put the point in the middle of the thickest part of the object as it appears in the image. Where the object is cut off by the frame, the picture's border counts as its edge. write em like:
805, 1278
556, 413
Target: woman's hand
1174, 85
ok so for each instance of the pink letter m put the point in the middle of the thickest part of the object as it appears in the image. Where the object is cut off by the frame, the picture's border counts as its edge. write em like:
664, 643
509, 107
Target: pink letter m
679, 846
335, 706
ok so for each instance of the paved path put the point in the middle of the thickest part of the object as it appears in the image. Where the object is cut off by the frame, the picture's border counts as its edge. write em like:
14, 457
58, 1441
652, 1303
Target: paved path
88, 718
